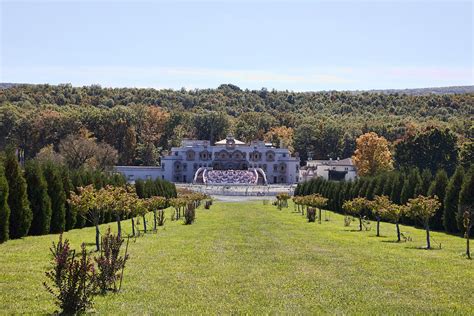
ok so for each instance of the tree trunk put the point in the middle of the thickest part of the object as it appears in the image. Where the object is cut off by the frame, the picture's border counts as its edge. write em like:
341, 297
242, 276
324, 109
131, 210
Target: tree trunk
119, 225
360, 223
319, 215
398, 232
154, 218
97, 237
428, 244
133, 226
144, 223
468, 251
378, 226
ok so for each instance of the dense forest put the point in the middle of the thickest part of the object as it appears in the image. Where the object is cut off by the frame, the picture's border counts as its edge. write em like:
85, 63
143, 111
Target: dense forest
141, 124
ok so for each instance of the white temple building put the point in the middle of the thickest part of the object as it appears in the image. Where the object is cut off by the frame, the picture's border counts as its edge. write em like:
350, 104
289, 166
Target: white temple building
228, 161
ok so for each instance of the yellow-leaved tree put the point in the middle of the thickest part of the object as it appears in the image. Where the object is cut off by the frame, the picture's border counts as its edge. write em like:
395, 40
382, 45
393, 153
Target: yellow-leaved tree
372, 154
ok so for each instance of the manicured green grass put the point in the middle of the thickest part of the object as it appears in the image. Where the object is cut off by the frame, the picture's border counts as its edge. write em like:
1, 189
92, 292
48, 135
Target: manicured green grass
251, 258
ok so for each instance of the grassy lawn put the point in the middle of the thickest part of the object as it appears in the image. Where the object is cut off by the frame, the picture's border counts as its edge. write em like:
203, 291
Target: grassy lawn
251, 258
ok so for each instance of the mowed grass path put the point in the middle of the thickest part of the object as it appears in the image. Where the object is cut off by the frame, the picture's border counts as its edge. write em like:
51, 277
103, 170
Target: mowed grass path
251, 258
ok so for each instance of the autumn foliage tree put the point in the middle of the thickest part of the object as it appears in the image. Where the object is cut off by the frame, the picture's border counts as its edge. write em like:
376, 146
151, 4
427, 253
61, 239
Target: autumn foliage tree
372, 154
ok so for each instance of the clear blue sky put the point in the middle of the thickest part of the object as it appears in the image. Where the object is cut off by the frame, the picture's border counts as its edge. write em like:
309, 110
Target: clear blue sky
294, 45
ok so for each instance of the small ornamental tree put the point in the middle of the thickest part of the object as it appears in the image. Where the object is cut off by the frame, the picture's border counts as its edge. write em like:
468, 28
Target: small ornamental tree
358, 207
157, 204
424, 208
86, 205
379, 207
20, 212
282, 200
4, 208
39, 199
394, 213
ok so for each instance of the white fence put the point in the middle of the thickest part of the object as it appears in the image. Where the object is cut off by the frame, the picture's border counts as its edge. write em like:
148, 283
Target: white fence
239, 190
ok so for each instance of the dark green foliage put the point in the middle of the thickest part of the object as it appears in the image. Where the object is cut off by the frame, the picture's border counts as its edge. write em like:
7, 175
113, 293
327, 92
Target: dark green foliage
438, 188
40, 202
72, 280
466, 154
140, 188
412, 181
20, 212
397, 187
71, 214
424, 185
57, 196
110, 264
466, 195
4, 208
433, 149
451, 200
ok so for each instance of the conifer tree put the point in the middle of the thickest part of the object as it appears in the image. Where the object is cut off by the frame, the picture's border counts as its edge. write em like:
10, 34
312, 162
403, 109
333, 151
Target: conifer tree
466, 196
409, 186
397, 186
20, 212
40, 202
57, 196
71, 214
451, 200
4, 208
424, 185
438, 188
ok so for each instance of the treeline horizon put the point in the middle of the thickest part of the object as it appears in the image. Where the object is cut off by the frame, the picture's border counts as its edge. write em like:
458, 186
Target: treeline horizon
142, 124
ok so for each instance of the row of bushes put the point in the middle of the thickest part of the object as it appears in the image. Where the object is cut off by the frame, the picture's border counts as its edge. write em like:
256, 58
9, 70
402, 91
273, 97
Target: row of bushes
399, 187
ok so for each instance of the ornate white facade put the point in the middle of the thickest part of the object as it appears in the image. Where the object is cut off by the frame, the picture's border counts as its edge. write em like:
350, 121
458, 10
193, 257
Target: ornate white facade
228, 161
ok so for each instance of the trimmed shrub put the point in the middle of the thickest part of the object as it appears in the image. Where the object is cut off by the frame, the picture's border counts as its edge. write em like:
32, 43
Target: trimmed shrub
72, 279
110, 264
311, 214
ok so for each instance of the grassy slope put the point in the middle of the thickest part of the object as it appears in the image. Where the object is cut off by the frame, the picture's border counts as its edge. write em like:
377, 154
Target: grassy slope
251, 258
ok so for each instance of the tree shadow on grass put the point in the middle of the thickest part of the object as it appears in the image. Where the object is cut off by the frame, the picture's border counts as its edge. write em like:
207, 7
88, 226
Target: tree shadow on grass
393, 241
423, 248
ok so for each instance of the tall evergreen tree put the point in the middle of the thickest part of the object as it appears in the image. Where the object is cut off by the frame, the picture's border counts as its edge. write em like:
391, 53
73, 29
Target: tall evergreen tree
71, 214
39, 199
438, 188
424, 185
397, 186
409, 186
466, 195
451, 201
57, 196
20, 212
4, 208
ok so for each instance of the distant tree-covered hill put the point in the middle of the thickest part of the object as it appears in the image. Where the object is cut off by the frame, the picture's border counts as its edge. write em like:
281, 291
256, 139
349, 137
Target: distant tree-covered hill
141, 122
